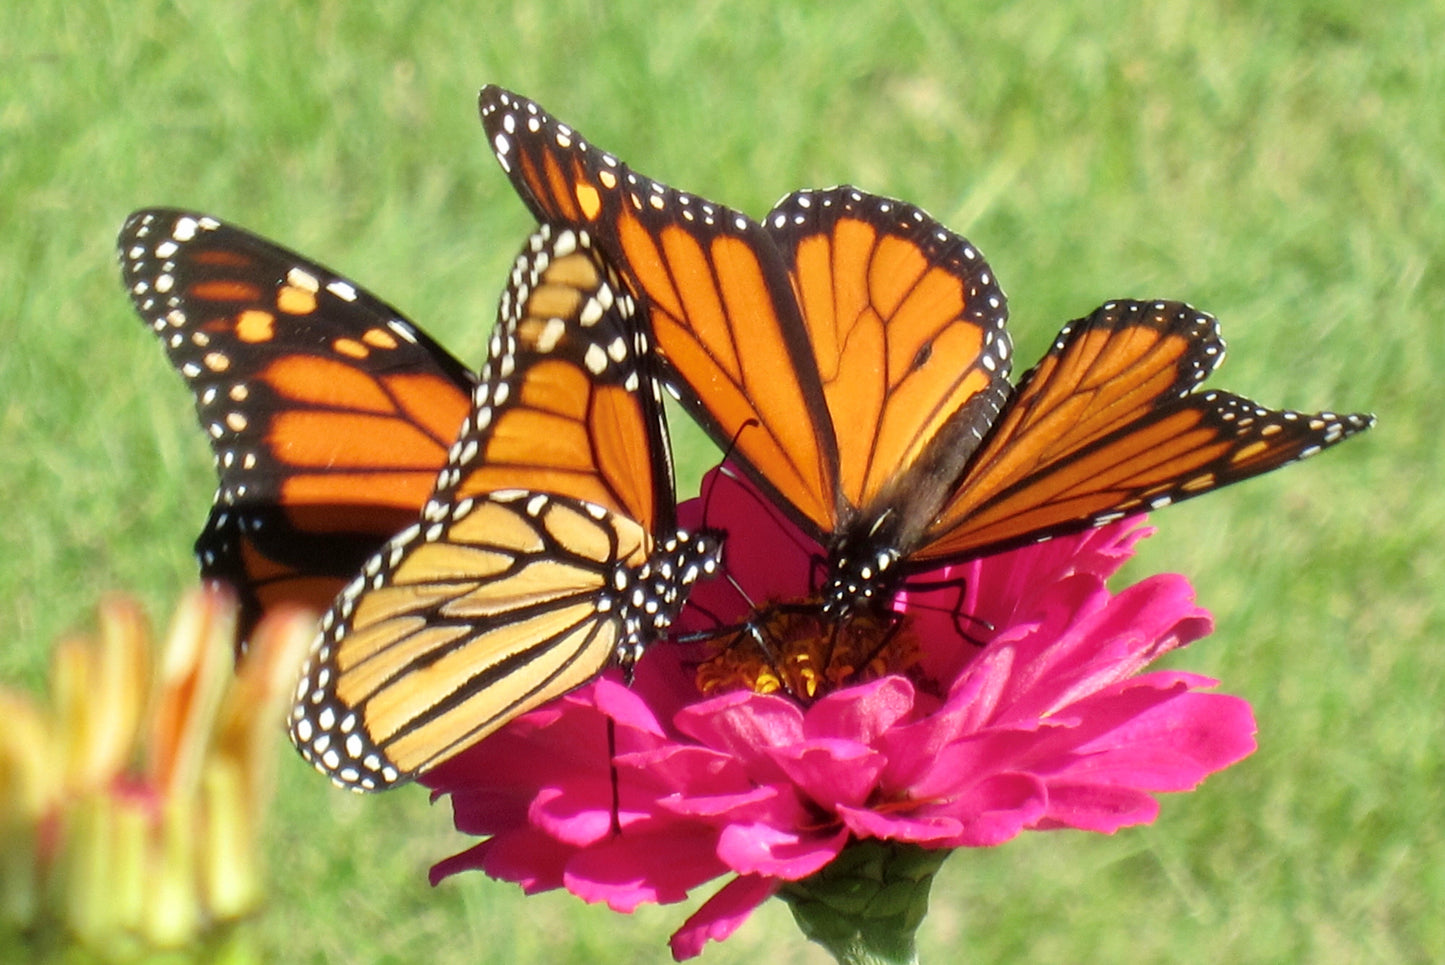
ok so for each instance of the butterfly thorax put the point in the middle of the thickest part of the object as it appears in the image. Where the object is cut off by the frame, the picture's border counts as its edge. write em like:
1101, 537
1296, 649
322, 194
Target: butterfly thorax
649, 597
861, 577
868, 555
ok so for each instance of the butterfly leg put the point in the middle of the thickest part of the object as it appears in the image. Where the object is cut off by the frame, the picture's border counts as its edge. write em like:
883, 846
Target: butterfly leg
958, 611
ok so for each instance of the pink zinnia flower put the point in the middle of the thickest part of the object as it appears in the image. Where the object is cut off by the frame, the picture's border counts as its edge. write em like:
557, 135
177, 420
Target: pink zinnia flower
1028, 712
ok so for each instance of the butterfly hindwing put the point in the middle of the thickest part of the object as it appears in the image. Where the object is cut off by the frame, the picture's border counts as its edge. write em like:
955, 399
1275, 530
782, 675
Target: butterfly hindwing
547, 551
461, 625
328, 413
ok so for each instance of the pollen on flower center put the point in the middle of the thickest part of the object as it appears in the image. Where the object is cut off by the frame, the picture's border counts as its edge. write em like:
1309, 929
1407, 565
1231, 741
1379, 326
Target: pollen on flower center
804, 654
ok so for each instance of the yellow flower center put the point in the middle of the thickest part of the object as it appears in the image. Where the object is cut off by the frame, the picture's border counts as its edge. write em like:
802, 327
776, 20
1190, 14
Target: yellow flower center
801, 653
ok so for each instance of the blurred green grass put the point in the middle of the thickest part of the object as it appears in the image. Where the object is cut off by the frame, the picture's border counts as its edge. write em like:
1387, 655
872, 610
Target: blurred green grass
1280, 166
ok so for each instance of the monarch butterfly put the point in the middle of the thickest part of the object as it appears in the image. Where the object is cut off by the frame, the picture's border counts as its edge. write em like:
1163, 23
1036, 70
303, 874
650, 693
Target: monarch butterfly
328, 413
868, 344
548, 550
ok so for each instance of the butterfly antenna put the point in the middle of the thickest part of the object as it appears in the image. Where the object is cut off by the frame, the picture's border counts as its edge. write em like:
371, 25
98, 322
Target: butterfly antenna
748, 628
727, 454
816, 562
752, 628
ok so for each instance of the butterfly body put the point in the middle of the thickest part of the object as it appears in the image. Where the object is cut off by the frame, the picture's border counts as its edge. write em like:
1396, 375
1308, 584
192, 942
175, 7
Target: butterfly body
547, 551
864, 345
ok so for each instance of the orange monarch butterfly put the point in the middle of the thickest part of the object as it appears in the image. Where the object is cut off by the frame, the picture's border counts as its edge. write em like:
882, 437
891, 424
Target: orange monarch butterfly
548, 550
868, 344
328, 413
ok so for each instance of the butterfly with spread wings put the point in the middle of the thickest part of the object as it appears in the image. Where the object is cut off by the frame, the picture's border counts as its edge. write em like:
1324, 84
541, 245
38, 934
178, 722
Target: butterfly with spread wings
867, 344
548, 551
328, 413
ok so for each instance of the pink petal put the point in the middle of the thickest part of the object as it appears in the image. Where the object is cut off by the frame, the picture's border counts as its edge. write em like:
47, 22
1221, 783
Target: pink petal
698, 770
769, 850
768, 800
1106, 640
650, 866
995, 809
927, 829
527, 857
482, 810
1003, 589
912, 749
628, 710
830, 772
861, 713
992, 807
1172, 746
492, 783
472, 859
1094, 807
722, 914
571, 817
665, 680
745, 725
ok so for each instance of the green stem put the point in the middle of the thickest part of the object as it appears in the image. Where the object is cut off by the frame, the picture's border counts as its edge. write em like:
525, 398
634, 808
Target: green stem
866, 905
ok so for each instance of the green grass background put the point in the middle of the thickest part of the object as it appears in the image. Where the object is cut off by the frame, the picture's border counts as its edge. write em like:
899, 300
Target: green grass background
1280, 165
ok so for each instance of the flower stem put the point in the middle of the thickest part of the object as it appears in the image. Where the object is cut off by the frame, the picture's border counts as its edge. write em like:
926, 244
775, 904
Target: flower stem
866, 905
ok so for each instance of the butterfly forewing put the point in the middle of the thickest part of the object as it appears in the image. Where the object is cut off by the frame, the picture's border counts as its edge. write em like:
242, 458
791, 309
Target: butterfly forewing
1108, 424
535, 563
329, 414
582, 420
717, 294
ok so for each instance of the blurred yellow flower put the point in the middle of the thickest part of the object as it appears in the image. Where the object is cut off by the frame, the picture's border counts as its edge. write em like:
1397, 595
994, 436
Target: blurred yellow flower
130, 807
